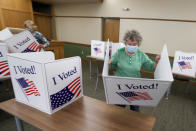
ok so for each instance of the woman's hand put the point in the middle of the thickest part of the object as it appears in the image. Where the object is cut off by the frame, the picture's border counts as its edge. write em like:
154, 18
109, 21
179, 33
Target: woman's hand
157, 58
41, 46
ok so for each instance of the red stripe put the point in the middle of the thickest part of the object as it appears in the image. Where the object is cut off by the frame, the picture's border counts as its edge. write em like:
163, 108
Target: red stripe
134, 98
7, 74
4, 70
73, 81
31, 45
34, 47
74, 84
3, 61
3, 67
147, 95
77, 89
78, 93
4, 64
28, 88
144, 96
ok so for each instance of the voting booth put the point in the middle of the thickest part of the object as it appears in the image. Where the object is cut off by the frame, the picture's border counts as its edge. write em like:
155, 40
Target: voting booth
98, 49
138, 91
15, 40
184, 64
23, 42
44, 83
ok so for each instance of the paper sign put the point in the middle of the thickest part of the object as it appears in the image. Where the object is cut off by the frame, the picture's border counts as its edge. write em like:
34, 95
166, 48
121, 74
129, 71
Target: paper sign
4, 68
137, 91
38, 82
184, 64
23, 42
98, 49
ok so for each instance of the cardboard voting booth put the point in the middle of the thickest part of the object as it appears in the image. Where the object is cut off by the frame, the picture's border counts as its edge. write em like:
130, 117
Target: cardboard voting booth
23, 42
9, 32
44, 83
15, 40
4, 68
184, 64
98, 49
138, 91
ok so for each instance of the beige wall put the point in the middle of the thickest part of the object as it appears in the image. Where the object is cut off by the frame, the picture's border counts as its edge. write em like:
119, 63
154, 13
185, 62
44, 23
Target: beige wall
177, 35
155, 33
79, 30
173, 9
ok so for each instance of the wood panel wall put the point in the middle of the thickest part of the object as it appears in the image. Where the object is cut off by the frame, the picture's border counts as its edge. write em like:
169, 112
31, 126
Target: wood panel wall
44, 23
13, 13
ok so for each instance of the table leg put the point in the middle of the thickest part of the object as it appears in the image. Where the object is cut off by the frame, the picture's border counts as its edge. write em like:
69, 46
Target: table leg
19, 124
97, 78
168, 92
90, 66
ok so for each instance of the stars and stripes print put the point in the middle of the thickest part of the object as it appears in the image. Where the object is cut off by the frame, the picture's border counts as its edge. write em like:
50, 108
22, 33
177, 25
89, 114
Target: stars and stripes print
134, 96
33, 47
65, 95
28, 87
4, 68
184, 65
97, 50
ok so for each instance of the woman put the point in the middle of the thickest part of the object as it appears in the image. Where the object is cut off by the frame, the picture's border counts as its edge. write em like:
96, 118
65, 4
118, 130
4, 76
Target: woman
129, 60
30, 26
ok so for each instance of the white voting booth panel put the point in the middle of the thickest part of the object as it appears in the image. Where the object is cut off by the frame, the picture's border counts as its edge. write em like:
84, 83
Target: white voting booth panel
5, 34
44, 83
98, 49
138, 91
184, 64
4, 68
23, 42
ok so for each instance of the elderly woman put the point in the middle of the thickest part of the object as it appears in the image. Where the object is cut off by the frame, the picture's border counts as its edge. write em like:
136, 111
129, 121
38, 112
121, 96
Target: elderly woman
129, 60
30, 26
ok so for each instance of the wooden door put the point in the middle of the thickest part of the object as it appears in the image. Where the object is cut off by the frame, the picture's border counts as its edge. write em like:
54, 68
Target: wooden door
44, 24
111, 29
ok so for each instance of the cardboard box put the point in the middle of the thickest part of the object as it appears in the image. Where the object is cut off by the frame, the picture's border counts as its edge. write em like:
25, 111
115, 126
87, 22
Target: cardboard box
138, 91
44, 83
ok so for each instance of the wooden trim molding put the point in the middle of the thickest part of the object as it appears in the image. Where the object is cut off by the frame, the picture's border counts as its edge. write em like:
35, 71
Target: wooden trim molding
16, 10
158, 19
42, 14
134, 18
79, 16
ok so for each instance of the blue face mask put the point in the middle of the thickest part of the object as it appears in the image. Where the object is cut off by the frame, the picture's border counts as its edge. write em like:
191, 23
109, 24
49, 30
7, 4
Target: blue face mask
132, 49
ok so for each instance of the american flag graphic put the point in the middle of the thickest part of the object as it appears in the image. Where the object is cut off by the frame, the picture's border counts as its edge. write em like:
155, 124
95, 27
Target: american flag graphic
184, 65
134, 96
62, 97
28, 87
33, 47
4, 68
97, 50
